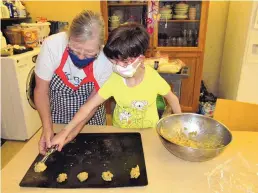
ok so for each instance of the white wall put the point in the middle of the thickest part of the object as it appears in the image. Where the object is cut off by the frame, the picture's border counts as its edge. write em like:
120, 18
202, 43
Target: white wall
234, 48
248, 85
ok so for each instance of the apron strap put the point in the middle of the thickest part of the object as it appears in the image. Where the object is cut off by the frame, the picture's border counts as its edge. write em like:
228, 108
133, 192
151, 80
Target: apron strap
88, 70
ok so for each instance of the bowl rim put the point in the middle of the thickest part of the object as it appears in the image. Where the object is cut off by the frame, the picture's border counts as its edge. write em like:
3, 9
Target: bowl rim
172, 115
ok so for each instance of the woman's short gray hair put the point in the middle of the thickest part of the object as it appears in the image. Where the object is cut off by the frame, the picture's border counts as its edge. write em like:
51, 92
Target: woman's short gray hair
84, 26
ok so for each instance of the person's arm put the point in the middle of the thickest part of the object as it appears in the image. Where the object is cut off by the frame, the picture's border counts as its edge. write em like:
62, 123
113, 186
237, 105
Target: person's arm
102, 71
46, 64
78, 129
173, 102
41, 98
77, 121
164, 89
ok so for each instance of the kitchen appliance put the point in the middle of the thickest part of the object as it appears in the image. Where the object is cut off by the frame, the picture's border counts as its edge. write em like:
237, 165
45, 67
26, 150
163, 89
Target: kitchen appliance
20, 120
92, 153
198, 128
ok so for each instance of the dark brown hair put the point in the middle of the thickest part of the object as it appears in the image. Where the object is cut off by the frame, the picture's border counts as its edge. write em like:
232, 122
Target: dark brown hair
127, 41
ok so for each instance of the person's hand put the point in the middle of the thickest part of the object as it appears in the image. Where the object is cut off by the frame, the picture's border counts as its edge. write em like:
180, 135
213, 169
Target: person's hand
45, 140
60, 139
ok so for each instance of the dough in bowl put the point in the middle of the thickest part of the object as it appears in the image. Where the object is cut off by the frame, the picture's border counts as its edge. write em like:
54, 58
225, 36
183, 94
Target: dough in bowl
61, 177
135, 172
107, 176
40, 167
82, 176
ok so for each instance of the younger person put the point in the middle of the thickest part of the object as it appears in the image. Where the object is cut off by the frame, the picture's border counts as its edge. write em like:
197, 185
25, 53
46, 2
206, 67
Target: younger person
133, 85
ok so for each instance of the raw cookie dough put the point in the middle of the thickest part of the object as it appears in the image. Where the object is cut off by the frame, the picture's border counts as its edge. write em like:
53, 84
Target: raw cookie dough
107, 176
40, 167
135, 172
82, 176
61, 177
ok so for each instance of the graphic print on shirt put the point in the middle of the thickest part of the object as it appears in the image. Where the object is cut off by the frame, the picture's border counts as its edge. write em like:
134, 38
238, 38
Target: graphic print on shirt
124, 116
75, 80
133, 116
140, 105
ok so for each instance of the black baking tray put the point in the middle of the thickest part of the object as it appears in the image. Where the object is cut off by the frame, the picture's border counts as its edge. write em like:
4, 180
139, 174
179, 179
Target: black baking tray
93, 153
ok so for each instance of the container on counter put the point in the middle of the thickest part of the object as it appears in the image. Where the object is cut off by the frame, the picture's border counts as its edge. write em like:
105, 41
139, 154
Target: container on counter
43, 29
30, 36
14, 35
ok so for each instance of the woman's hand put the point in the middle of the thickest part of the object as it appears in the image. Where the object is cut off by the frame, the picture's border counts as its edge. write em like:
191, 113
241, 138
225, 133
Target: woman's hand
45, 140
60, 139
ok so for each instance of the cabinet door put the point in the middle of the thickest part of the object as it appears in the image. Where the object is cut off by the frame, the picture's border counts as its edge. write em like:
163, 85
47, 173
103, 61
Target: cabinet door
181, 26
190, 89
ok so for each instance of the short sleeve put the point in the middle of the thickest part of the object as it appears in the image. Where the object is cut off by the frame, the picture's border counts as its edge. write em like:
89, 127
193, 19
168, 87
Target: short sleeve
162, 85
102, 69
106, 91
45, 65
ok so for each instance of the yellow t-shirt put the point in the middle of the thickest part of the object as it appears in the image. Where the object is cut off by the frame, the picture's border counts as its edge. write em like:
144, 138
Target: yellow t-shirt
135, 106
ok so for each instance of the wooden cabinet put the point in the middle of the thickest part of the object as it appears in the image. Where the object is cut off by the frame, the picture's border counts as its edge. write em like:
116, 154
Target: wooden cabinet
182, 39
191, 86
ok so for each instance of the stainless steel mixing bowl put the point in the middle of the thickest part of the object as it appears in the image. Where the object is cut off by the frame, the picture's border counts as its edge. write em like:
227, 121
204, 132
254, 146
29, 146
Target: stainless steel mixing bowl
204, 127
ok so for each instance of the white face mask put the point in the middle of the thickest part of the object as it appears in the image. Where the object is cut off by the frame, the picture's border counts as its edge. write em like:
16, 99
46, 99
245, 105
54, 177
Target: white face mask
128, 71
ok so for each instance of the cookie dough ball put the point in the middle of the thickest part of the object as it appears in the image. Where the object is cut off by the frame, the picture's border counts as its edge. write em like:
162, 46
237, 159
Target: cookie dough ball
82, 176
107, 176
61, 177
135, 172
40, 167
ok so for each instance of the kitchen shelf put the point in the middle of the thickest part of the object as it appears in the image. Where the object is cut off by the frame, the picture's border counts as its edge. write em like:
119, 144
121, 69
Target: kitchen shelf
127, 4
179, 21
176, 48
15, 19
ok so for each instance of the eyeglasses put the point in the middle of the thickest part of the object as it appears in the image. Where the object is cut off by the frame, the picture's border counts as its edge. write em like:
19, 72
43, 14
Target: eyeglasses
84, 54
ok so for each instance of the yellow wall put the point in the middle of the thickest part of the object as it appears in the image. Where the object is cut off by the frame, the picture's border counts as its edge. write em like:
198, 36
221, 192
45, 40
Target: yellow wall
59, 10
217, 20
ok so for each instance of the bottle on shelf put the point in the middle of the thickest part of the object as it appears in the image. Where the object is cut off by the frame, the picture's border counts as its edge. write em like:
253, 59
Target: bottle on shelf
15, 11
9, 5
4, 10
190, 39
196, 37
20, 9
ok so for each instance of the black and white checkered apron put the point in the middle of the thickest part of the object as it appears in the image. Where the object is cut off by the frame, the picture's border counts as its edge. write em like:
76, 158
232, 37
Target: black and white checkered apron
66, 99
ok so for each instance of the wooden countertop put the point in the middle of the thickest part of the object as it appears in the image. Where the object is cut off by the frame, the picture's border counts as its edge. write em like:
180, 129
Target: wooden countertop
166, 173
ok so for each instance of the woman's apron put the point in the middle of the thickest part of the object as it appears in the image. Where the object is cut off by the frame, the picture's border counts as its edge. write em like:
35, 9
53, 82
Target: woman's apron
66, 99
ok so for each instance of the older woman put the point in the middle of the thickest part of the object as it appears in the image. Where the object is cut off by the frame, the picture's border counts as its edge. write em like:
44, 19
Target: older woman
70, 68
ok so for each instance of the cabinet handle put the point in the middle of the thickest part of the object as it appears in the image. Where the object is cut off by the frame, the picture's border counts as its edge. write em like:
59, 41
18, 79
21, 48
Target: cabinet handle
185, 71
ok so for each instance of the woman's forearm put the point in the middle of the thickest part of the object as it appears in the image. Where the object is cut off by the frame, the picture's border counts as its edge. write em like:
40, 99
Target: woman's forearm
43, 107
